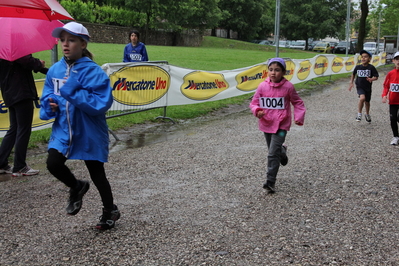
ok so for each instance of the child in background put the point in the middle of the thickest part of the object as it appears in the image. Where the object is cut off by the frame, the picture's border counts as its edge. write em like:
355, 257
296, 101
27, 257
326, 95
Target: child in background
391, 90
365, 74
271, 104
77, 94
135, 51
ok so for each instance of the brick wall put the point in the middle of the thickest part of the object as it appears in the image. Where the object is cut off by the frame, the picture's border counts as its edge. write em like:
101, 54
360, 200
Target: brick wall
114, 34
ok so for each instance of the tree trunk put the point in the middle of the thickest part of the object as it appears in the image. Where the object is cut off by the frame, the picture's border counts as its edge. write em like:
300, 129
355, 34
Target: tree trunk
364, 7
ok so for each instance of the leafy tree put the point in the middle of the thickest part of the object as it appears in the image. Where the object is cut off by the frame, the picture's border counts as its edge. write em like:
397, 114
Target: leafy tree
364, 7
79, 10
249, 18
303, 19
390, 18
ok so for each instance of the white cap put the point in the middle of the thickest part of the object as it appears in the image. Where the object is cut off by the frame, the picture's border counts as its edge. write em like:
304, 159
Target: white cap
73, 28
396, 54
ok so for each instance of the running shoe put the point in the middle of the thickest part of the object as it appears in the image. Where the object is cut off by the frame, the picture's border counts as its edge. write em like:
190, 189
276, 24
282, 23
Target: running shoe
359, 118
394, 141
368, 118
269, 186
6, 170
76, 196
107, 220
26, 171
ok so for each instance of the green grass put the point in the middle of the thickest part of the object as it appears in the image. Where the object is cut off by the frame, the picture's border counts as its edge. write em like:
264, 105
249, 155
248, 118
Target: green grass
214, 54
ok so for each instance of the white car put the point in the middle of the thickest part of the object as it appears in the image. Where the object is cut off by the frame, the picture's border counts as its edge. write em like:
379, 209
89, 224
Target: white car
298, 45
370, 47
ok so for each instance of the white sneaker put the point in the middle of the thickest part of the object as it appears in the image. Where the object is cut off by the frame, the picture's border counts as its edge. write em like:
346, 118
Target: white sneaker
6, 170
395, 141
26, 171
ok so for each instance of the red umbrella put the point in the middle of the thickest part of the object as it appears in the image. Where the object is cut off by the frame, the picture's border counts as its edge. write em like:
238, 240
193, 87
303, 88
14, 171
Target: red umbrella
38, 9
23, 36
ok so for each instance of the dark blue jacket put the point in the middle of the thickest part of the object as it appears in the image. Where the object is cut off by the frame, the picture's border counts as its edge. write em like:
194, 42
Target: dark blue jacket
135, 53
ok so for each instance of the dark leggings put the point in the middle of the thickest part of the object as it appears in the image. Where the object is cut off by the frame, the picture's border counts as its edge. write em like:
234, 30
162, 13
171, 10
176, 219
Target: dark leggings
393, 111
56, 166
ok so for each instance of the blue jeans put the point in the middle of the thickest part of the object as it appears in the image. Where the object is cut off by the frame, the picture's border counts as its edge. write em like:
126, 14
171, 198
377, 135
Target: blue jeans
276, 152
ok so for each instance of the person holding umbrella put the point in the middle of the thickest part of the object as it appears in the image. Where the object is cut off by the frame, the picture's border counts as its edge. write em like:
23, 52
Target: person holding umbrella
77, 93
19, 93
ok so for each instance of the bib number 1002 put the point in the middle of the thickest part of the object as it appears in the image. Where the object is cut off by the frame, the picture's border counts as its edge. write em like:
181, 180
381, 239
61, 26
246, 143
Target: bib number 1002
271, 103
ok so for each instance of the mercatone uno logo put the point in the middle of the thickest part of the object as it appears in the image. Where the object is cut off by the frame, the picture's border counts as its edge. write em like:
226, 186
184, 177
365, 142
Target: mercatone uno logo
376, 60
304, 69
350, 63
250, 79
199, 85
139, 85
289, 73
321, 65
383, 58
37, 122
337, 64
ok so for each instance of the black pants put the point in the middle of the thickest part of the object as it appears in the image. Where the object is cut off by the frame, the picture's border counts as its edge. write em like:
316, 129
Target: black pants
17, 137
56, 166
393, 111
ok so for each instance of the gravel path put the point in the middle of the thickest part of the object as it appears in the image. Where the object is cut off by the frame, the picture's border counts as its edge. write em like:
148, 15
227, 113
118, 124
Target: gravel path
196, 197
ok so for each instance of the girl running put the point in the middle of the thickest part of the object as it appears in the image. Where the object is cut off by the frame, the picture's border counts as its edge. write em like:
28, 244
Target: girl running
271, 104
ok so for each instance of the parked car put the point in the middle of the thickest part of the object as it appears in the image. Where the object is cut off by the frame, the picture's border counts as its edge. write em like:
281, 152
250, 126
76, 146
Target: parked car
381, 47
322, 47
265, 42
370, 47
298, 45
332, 45
311, 45
282, 43
341, 48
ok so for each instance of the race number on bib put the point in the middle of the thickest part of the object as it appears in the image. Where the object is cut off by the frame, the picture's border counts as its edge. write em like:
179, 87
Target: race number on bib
272, 102
58, 83
394, 87
363, 73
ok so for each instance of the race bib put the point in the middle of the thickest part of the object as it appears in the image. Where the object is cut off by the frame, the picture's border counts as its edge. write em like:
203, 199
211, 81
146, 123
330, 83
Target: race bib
272, 102
135, 57
394, 87
363, 73
58, 83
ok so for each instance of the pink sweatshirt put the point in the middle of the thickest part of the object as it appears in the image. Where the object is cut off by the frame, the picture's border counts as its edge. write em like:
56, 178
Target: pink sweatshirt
276, 100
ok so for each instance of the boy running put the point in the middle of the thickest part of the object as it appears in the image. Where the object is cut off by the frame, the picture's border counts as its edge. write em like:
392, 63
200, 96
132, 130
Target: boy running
391, 90
365, 75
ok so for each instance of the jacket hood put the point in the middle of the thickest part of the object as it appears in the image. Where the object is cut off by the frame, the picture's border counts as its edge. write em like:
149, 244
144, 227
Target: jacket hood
276, 85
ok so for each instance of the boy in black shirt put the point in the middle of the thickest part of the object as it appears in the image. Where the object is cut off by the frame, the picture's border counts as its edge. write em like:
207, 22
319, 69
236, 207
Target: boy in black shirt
365, 75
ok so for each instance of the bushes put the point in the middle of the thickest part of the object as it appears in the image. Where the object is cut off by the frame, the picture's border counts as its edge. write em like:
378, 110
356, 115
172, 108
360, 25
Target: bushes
93, 13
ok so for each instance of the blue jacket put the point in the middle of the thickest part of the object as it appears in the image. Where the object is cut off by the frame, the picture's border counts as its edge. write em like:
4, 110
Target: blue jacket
80, 129
135, 53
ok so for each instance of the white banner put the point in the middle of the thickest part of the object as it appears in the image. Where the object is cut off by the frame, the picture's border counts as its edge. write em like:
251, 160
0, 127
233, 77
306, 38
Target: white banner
146, 85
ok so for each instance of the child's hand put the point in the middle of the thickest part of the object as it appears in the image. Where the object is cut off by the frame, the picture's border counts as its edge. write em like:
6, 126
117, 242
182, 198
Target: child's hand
260, 113
53, 105
384, 99
350, 86
370, 79
298, 123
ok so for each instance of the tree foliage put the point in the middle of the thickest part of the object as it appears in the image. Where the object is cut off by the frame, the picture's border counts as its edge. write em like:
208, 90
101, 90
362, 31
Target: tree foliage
317, 19
299, 19
249, 18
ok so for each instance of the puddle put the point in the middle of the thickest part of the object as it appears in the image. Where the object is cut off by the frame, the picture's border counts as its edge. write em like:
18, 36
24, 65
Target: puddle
141, 135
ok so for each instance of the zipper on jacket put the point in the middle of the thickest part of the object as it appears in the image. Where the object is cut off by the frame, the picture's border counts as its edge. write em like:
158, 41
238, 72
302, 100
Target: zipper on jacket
68, 114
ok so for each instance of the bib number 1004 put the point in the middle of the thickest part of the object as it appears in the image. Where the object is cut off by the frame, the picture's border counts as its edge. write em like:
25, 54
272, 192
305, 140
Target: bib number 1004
271, 103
